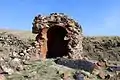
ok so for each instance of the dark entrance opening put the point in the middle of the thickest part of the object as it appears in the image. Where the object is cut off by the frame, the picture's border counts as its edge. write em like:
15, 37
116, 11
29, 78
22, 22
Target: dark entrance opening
57, 46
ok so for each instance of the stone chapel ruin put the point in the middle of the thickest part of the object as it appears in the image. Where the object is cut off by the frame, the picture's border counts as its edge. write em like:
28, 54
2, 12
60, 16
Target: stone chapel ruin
58, 36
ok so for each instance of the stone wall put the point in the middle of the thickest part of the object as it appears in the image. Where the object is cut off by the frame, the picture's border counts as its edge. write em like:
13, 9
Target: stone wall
67, 33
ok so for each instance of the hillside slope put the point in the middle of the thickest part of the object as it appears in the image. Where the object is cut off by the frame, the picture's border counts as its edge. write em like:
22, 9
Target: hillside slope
107, 47
16, 52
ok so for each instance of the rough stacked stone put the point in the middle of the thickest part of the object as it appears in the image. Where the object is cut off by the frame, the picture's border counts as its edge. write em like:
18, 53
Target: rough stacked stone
74, 32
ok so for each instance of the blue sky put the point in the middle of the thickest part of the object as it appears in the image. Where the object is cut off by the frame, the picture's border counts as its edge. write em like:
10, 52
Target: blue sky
97, 17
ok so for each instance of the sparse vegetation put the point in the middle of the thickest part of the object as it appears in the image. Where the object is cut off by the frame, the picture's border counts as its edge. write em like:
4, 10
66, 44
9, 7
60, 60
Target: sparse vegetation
94, 47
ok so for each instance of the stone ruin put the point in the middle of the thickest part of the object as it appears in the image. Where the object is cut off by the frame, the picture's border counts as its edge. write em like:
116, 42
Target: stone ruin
58, 36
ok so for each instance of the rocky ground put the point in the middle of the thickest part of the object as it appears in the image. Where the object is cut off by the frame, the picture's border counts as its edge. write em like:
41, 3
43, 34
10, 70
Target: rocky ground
17, 59
106, 47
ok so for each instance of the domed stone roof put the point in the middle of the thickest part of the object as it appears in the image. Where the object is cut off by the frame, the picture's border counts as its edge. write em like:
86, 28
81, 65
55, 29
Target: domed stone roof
60, 30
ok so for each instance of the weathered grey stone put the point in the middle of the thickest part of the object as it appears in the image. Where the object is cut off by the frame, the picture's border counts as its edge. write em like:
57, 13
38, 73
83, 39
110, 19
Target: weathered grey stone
21, 54
7, 69
74, 33
2, 77
16, 64
77, 64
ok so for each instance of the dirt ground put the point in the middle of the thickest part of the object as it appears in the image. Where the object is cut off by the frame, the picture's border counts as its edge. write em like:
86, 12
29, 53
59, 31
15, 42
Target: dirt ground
94, 47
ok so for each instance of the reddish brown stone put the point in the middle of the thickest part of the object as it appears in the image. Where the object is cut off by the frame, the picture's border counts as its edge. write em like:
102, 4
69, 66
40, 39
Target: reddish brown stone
2, 77
102, 75
58, 36
66, 76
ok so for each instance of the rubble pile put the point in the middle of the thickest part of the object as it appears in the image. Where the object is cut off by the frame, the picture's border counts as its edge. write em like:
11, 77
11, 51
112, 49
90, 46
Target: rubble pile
105, 47
15, 55
65, 28
14, 52
92, 69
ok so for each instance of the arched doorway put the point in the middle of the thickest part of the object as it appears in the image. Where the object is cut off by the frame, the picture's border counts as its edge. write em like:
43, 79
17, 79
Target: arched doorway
57, 46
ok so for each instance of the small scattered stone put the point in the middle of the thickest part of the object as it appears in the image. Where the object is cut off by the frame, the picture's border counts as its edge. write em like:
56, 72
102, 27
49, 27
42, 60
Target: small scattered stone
118, 75
14, 54
16, 63
2, 77
85, 73
25, 51
101, 75
21, 54
101, 64
79, 76
96, 72
107, 77
27, 57
66, 76
9, 71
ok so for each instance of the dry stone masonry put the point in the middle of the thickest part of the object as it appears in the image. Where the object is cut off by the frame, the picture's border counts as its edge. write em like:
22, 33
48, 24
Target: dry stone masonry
58, 36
